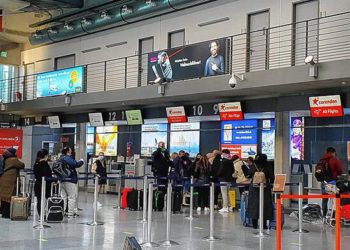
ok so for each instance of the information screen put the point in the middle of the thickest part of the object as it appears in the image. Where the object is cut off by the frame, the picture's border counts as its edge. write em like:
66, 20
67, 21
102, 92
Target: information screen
152, 134
185, 136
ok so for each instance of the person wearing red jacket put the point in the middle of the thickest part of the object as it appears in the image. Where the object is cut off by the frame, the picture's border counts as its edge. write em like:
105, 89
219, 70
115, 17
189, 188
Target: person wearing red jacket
336, 168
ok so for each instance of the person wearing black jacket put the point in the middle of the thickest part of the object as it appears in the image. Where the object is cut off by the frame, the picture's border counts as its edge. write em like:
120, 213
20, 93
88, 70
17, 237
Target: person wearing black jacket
225, 176
161, 163
261, 164
215, 162
187, 169
101, 171
41, 169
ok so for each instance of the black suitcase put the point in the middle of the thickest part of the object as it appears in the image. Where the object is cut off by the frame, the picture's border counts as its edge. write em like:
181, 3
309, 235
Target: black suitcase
132, 200
177, 201
55, 206
158, 200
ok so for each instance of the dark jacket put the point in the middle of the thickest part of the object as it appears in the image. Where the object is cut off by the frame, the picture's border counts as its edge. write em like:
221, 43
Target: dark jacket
101, 171
254, 193
201, 173
215, 167
225, 171
42, 169
73, 165
8, 180
160, 163
187, 166
334, 164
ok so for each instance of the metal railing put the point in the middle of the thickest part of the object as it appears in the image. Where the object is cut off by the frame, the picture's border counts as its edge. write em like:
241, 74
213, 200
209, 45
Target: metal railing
326, 38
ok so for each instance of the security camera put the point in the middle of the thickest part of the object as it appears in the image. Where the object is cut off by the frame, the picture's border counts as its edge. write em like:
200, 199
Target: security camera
235, 79
313, 68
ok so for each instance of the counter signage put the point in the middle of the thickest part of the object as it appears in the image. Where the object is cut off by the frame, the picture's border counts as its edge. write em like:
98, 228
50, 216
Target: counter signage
280, 182
176, 114
11, 138
325, 106
230, 111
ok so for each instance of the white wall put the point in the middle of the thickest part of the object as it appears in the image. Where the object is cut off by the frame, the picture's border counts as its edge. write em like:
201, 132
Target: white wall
236, 10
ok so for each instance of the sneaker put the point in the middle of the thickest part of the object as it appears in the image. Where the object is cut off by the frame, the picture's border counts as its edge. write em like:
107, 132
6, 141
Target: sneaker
224, 210
206, 209
99, 204
199, 209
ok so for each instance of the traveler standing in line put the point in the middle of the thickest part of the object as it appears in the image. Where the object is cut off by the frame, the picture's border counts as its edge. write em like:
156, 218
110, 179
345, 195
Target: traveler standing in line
261, 165
187, 169
201, 175
161, 163
101, 171
225, 177
336, 169
241, 173
41, 169
69, 188
8, 180
215, 163
176, 169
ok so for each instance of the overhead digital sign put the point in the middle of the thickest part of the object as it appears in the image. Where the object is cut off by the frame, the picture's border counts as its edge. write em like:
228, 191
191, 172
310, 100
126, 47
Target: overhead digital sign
185, 136
60, 82
152, 134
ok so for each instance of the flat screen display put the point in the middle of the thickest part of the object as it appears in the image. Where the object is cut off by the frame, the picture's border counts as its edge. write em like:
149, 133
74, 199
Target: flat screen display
60, 82
185, 136
107, 140
152, 134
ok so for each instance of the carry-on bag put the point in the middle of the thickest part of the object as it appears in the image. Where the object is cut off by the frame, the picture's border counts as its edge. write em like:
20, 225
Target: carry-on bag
55, 205
19, 203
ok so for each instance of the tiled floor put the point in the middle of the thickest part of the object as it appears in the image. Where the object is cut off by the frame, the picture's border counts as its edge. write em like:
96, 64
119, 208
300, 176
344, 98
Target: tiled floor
120, 223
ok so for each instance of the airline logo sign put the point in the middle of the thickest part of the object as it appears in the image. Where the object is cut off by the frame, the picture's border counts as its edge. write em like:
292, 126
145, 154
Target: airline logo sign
325, 106
230, 111
176, 114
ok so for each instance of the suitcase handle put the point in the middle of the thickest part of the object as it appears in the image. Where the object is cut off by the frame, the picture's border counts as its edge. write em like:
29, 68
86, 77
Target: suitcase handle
57, 187
20, 185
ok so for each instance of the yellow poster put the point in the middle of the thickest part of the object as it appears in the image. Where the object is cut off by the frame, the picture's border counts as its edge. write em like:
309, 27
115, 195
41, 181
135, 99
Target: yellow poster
107, 140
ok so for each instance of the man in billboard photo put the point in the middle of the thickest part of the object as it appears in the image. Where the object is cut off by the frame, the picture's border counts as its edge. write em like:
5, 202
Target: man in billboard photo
215, 63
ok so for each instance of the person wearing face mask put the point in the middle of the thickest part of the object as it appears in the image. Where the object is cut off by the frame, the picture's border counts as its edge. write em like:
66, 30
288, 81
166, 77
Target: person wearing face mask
224, 175
161, 163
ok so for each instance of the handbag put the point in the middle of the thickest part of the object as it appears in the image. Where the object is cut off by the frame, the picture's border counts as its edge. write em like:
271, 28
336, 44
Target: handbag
259, 177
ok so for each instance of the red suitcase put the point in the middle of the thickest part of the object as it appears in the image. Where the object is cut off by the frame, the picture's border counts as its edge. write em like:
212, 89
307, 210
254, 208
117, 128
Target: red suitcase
345, 212
124, 203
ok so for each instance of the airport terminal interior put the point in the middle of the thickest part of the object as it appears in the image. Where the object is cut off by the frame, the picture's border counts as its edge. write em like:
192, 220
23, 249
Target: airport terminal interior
175, 124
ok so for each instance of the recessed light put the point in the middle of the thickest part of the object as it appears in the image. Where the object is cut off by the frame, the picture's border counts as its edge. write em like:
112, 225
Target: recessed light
344, 83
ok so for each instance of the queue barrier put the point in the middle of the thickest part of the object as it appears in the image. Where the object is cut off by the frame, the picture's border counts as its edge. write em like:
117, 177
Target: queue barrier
337, 198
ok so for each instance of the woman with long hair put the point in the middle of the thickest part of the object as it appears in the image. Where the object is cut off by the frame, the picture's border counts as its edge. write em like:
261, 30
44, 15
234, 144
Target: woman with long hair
41, 169
201, 175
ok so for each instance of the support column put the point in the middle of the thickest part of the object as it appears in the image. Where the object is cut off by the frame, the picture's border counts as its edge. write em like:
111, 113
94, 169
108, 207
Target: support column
282, 147
80, 148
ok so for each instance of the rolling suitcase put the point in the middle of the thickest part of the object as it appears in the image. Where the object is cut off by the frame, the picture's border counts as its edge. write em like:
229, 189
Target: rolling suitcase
55, 205
232, 198
124, 203
176, 201
134, 199
247, 222
158, 200
19, 204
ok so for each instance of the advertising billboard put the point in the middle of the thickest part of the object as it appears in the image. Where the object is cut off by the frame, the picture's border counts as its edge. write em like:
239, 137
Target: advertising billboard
193, 61
240, 137
185, 136
152, 134
107, 140
60, 82
11, 138
297, 138
268, 139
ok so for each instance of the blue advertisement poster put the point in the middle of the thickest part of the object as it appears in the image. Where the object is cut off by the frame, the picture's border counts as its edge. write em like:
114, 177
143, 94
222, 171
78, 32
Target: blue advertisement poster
239, 132
60, 82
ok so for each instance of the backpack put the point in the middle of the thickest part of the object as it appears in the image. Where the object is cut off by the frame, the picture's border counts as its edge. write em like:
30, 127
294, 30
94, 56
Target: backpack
259, 177
61, 169
239, 174
323, 171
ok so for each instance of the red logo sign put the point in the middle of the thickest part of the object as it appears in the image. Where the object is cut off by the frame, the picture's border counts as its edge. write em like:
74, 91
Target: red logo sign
11, 138
176, 114
325, 106
230, 111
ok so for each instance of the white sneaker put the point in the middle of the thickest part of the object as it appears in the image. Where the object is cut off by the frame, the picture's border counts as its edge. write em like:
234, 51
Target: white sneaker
206, 209
99, 204
199, 209
223, 210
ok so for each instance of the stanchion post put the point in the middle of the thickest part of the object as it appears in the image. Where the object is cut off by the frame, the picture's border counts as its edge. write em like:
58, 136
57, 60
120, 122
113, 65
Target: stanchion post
191, 217
337, 223
168, 242
300, 229
149, 242
94, 222
42, 205
278, 223
211, 236
261, 211
144, 206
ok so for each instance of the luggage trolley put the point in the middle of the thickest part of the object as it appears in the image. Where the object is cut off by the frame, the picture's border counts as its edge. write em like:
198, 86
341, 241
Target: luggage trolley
331, 188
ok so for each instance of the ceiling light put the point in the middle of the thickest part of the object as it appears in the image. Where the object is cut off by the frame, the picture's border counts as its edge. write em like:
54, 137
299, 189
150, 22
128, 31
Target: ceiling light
126, 9
344, 83
52, 30
104, 15
85, 21
67, 26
